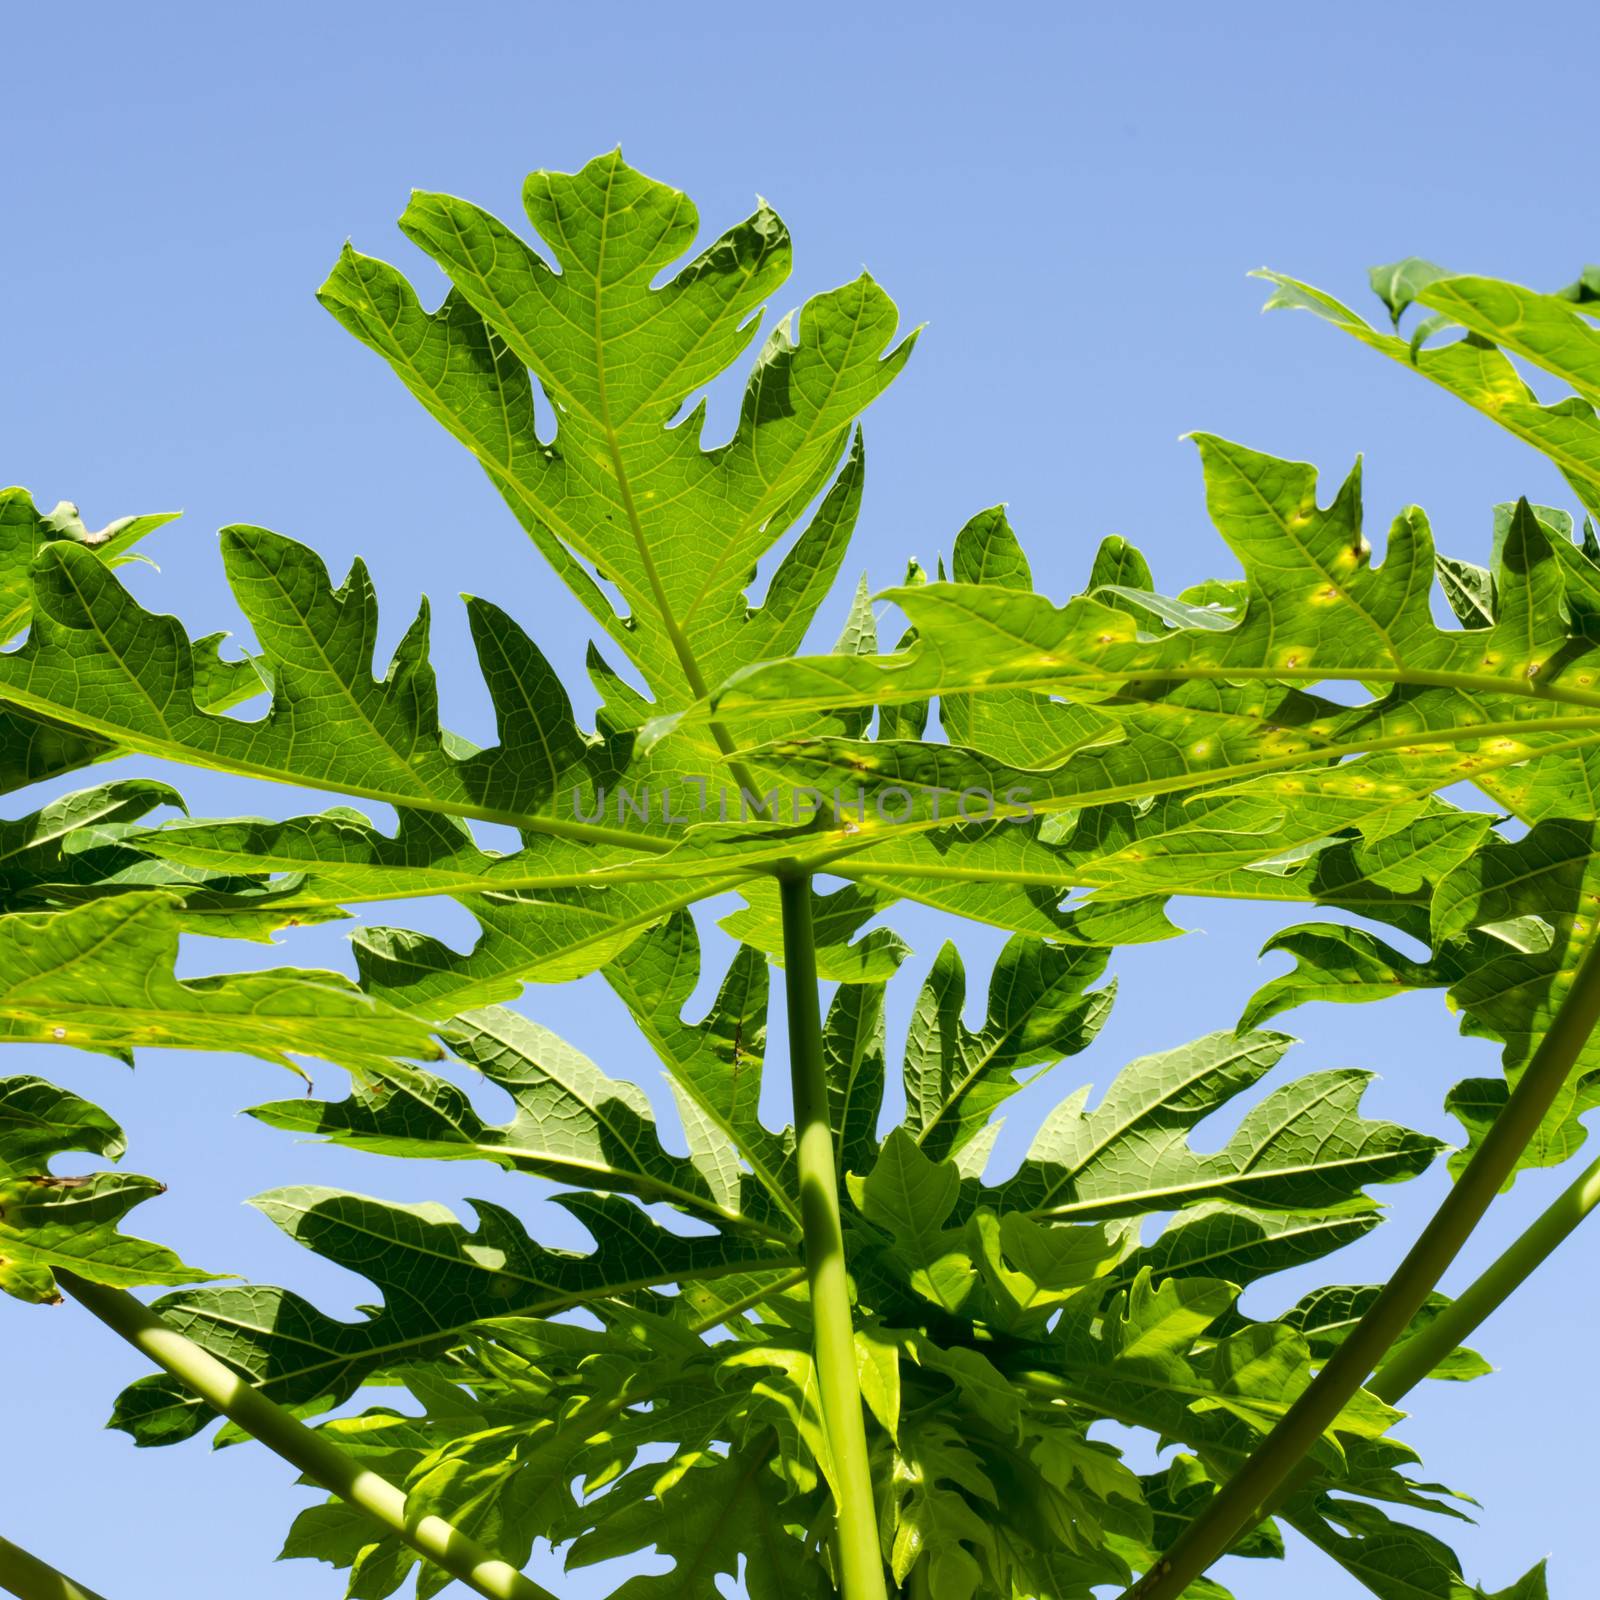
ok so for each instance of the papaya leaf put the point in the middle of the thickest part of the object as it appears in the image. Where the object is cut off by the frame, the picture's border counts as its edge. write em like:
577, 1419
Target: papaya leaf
1040, 1010
837, 918
1508, 924
854, 1056
101, 977
1241, 1243
1499, 320
1143, 1360
48, 1222
88, 845
488, 1451
96, 659
911, 1198
1181, 1492
1304, 1148
44, 852
626, 495
1475, 370
1394, 1560
33, 748
553, 910
705, 1510
1024, 729
685, 1382
714, 1065
436, 1278
25, 530
571, 1123
1314, 609
1325, 1315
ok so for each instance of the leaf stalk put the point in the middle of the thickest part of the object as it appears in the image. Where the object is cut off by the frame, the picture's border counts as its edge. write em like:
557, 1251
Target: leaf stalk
1250, 1493
860, 1557
316, 1456
1408, 1366
29, 1578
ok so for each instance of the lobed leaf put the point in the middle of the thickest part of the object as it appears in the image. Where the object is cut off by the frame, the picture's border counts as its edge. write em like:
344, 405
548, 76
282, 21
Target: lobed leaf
49, 1222
101, 977
626, 496
571, 1124
437, 1280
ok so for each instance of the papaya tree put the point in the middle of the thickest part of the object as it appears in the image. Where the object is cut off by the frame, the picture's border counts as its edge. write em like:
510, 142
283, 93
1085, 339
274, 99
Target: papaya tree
847, 1356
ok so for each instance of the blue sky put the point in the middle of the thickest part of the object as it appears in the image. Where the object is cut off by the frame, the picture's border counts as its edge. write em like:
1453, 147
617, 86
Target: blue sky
1069, 196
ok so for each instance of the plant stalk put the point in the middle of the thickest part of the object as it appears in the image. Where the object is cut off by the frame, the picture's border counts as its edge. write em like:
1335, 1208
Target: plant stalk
1412, 1362
29, 1578
1408, 1366
1250, 1493
318, 1458
860, 1557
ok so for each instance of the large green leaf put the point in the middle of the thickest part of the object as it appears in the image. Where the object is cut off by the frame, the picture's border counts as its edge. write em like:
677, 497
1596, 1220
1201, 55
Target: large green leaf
1142, 1358
705, 1510
98, 660
49, 1222
571, 1123
25, 530
555, 909
1128, 747
101, 977
34, 747
436, 1278
510, 1423
715, 1064
1040, 1010
626, 492
1193, 705
1024, 729
579, 890
1501, 319
1326, 1315
44, 853
1508, 925
1304, 1148
836, 920
1218, 1239
854, 1052
1394, 1560
561, 905
87, 845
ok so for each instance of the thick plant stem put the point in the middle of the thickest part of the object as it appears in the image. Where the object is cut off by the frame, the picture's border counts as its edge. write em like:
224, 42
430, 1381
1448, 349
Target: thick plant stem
860, 1557
1404, 1370
1250, 1493
318, 1458
29, 1578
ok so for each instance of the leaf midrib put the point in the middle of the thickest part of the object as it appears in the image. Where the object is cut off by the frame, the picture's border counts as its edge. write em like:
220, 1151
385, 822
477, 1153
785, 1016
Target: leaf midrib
1217, 1181
172, 749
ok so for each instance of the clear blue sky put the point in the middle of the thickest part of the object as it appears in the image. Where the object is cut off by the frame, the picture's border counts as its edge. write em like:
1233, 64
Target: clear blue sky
1069, 196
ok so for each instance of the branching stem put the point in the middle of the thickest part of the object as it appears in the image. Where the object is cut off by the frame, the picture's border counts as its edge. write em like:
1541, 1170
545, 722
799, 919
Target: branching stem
29, 1578
860, 1559
1409, 1365
317, 1457
1251, 1492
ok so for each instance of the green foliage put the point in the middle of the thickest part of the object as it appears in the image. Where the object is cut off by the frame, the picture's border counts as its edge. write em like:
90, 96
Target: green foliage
100, 976
34, 747
674, 527
958, 1285
70, 1222
660, 1385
